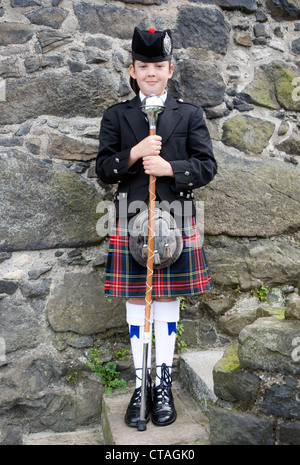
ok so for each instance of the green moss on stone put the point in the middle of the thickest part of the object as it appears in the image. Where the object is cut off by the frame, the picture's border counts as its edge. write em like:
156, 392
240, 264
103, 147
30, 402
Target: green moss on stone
277, 312
272, 86
262, 92
247, 133
230, 360
284, 89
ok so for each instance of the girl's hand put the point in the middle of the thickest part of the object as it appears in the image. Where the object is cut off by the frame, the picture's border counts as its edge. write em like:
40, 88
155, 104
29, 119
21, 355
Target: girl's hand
151, 145
157, 166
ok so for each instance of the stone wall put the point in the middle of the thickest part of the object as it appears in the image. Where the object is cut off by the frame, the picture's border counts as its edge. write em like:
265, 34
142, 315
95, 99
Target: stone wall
62, 63
257, 382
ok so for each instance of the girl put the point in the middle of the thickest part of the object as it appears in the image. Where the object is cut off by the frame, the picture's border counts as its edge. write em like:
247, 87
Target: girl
180, 156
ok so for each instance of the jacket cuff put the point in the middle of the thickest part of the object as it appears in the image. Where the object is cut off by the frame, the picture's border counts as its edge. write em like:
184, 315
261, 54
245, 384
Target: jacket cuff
120, 165
184, 179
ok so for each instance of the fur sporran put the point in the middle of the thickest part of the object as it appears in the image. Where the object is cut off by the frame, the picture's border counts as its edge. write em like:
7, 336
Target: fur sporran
168, 242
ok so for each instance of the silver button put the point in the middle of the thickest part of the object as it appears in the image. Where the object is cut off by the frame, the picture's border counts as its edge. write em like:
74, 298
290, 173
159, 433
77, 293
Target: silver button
190, 184
181, 194
187, 173
115, 171
117, 160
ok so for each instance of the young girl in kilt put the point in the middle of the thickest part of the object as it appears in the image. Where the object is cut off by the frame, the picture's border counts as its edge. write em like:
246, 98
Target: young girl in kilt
180, 156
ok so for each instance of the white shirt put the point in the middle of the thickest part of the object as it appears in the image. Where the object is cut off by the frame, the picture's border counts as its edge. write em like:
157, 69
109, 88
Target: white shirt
163, 97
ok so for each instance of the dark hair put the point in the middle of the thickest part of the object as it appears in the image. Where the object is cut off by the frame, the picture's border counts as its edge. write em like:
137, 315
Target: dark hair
134, 85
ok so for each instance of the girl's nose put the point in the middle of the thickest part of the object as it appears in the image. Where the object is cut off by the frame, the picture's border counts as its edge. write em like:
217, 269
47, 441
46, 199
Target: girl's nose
151, 71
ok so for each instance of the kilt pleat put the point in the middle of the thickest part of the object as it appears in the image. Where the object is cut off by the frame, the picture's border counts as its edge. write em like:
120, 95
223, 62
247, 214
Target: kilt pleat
189, 275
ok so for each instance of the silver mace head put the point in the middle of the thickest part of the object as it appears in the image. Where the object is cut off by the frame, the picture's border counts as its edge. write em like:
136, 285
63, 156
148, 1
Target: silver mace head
152, 106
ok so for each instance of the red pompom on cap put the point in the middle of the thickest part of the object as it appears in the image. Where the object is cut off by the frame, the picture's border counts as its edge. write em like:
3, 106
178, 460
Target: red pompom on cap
151, 30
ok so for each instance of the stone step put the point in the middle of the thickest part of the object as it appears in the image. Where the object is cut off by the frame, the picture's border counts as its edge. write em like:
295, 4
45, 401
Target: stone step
190, 427
196, 375
77, 438
193, 393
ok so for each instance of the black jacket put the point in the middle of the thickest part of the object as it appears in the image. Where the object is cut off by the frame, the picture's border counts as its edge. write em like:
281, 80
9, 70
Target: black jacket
186, 144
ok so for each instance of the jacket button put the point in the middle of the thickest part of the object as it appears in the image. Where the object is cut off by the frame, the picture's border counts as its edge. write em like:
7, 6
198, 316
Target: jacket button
190, 184
117, 160
187, 173
115, 171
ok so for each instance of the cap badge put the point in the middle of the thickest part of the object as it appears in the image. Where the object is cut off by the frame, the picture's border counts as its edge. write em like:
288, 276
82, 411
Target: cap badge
167, 45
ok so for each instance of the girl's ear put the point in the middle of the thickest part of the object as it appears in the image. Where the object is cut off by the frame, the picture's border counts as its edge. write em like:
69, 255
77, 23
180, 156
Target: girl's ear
172, 69
132, 71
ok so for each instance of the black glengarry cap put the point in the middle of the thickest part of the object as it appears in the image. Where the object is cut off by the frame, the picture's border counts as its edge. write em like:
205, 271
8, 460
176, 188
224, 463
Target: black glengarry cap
152, 46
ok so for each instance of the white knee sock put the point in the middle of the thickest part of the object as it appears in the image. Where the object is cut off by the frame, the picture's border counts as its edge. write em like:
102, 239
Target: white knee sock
135, 317
166, 316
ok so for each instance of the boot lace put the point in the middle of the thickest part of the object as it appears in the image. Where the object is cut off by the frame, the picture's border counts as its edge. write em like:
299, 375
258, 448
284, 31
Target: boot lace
162, 391
138, 391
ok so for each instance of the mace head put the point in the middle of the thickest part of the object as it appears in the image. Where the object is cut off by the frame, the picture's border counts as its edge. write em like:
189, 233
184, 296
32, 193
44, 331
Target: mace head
152, 106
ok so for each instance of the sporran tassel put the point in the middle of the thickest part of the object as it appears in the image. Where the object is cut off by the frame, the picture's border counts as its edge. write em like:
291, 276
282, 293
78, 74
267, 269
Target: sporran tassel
167, 251
156, 258
145, 251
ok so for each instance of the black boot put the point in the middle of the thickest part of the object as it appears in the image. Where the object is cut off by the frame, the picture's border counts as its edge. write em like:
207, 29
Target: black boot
132, 415
163, 410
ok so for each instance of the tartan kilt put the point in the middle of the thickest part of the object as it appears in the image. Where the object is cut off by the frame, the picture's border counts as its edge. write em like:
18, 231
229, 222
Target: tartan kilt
189, 275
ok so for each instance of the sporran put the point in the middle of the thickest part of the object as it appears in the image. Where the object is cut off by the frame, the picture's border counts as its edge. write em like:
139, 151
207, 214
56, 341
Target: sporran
168, 242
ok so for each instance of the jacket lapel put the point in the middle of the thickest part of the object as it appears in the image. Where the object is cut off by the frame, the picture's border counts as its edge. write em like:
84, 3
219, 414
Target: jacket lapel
167, 120
136, 119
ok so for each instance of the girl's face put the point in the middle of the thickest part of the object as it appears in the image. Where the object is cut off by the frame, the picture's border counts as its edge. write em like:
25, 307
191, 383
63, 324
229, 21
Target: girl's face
152, 78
